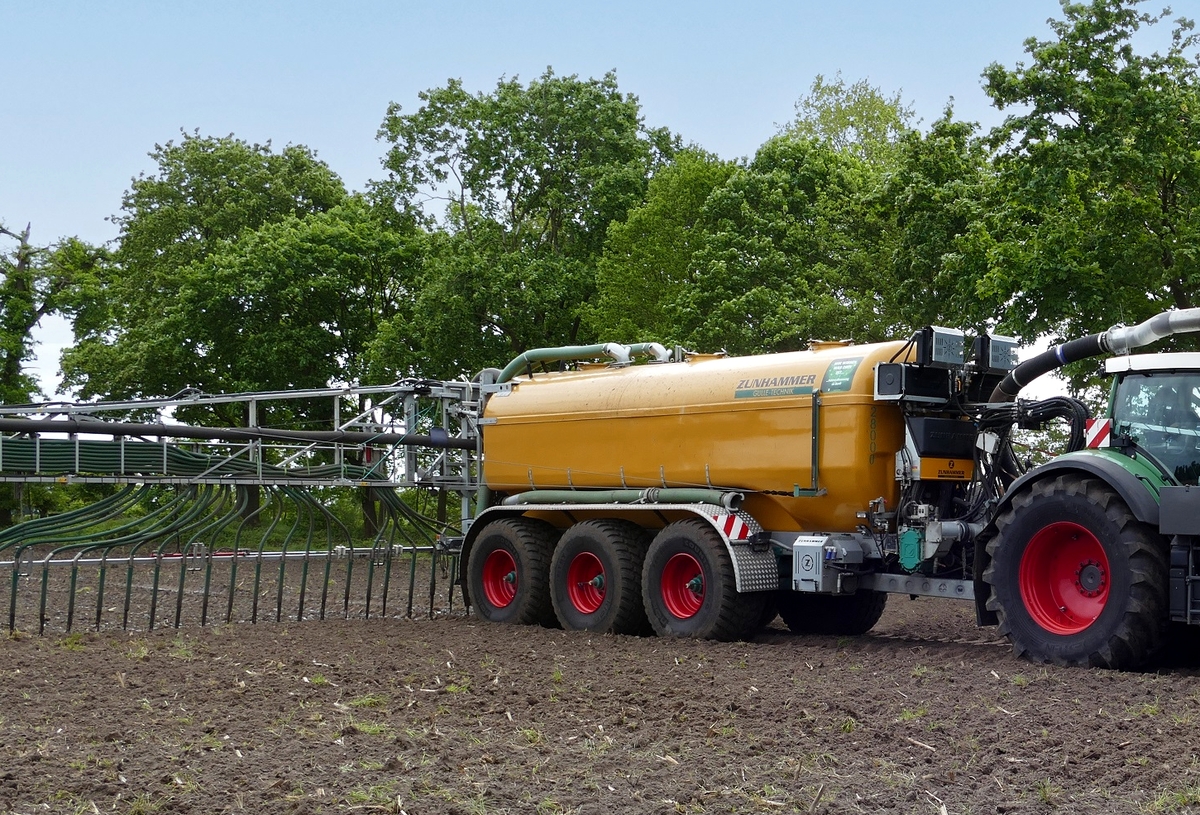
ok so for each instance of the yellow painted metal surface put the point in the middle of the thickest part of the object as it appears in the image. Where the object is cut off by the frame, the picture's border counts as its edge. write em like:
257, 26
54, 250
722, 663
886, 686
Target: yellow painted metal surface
743, 423
947, 469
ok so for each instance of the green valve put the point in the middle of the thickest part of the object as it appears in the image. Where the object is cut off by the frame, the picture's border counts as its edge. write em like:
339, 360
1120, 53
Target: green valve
910, 548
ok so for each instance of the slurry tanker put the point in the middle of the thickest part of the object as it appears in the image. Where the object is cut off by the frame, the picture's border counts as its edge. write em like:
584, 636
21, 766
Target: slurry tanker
699, 495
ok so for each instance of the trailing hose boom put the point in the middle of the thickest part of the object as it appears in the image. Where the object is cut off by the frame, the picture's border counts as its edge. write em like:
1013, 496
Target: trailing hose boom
627, 488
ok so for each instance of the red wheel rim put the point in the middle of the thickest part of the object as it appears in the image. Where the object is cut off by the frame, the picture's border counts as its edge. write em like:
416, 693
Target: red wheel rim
499, 578
1064, 578
682, 585
586, 583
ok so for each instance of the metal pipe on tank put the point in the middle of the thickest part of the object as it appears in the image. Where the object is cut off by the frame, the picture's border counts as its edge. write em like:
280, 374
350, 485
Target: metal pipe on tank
655, 495
653, 349
619, 354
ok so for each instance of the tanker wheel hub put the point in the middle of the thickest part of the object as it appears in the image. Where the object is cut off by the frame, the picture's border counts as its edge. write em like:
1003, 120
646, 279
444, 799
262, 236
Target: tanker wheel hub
696, 584
511, 577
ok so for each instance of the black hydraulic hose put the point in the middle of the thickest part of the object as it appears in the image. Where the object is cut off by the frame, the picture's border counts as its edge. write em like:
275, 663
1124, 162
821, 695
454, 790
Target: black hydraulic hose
436, 439
1119, 339
1044, 363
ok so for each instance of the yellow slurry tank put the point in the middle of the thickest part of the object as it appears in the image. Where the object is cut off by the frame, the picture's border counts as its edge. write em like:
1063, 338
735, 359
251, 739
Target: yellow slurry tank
738, 423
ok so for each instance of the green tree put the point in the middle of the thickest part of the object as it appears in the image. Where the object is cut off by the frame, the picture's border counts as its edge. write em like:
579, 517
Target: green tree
940, 194
648, 256
796, 248
134, 334
26, 295
531, 177
35, 281
1098, 218
297, 302
857, 118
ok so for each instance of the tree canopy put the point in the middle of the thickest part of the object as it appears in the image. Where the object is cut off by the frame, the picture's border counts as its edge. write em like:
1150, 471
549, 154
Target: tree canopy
648, 257
548, 212
1098, 175
793, 251
139, 331
858, 118
32, 279
531, 176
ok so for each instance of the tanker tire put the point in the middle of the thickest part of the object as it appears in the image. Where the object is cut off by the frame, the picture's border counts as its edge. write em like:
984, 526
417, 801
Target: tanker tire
846, 615
508, 573
613, 552
689, 587
1111, 570
770, 611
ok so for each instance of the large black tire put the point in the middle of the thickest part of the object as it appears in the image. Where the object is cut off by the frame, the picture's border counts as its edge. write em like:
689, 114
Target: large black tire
508, 572
1075, 578
769, 613
596, 578
846, 615
689, 587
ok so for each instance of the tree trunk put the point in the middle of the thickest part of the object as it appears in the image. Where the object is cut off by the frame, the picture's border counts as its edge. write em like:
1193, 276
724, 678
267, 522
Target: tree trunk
253, 494
370, 512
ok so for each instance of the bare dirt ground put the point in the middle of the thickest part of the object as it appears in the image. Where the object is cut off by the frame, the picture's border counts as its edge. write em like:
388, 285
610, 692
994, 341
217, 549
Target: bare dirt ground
926, 714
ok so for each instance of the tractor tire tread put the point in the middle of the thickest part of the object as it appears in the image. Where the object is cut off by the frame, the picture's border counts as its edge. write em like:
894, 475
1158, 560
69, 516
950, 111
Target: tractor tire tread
1141, 629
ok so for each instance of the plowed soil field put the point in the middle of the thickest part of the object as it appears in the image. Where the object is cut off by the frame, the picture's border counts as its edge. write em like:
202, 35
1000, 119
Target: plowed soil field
926, 714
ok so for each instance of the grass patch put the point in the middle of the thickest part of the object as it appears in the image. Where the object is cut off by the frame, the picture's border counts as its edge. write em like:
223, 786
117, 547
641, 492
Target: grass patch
1048, 792
181, 649
72, 642
144, 804
369, 728
375, 795
1180, 800
1146, 709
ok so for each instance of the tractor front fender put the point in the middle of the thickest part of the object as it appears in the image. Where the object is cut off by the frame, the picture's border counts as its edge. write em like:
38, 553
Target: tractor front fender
1135, 481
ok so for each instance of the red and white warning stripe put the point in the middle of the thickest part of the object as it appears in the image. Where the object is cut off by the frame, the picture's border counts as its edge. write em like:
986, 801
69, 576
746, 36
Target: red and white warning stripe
734, 527
1098, 433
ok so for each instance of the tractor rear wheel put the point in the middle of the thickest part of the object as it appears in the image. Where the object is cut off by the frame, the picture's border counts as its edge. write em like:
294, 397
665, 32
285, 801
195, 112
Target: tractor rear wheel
689, 587
596, 578
846, 615
1075, 578
508, 572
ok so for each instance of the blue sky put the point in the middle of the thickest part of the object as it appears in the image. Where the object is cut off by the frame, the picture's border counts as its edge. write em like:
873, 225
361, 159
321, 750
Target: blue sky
90, 88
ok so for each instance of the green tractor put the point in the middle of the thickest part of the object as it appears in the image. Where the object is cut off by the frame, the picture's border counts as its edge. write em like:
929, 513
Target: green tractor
1089, 557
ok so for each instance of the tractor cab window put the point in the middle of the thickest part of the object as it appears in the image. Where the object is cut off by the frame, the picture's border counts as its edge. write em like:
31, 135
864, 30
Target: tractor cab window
1161, 412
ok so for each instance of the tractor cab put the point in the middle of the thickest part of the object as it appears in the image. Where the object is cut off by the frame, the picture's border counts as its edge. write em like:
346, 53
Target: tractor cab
1156, 406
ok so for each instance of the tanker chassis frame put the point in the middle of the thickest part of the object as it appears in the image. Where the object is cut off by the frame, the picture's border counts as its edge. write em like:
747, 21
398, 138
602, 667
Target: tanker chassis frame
1084, 560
